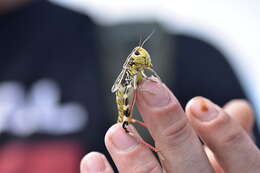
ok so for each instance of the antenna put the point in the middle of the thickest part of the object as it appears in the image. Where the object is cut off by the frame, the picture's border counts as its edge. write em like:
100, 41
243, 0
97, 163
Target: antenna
147, 38
140, 40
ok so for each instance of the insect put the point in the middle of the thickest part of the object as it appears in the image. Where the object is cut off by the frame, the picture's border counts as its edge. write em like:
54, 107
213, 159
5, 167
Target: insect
127, 82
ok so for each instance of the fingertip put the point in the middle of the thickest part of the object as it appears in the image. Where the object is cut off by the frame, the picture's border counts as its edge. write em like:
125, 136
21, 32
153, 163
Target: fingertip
153, 93
191, 102
241, 111
241, 105
93, 162
241, 102
127, 151
201, 109
117, 140
110, 132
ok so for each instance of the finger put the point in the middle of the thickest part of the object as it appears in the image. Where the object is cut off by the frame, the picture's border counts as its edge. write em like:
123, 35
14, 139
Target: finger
128, 153
214, 163
232, 147
95, 162
170, 129
241, 111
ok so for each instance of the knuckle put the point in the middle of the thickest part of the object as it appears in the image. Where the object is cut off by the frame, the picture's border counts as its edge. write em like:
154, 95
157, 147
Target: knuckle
172, 107
230, 134
232, 138
150, 167
177, 133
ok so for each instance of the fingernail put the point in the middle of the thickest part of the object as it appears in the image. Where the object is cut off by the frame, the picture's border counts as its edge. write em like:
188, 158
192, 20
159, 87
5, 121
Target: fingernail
154, 93
94, 163
121, 140
203, 109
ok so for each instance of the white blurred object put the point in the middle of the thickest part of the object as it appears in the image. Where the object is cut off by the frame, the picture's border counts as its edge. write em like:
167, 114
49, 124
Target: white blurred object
231, 26
39, 110
11, 98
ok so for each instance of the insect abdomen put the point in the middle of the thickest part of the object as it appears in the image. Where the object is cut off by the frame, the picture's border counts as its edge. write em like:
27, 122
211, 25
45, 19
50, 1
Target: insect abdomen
123, 107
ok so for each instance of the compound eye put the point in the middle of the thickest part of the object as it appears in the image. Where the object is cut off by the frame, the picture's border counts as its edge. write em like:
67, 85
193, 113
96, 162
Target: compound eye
137, 52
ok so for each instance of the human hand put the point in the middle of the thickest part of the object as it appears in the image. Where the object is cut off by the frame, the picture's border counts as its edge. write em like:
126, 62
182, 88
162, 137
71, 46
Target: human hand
176, 132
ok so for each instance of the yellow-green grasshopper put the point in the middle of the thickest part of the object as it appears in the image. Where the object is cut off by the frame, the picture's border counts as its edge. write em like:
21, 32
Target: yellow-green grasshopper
127, 82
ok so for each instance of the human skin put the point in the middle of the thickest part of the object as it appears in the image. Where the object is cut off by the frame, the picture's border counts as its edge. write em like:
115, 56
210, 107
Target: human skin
224, 131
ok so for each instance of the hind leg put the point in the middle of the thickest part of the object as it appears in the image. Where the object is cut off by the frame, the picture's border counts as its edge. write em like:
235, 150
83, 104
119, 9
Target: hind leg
125, 125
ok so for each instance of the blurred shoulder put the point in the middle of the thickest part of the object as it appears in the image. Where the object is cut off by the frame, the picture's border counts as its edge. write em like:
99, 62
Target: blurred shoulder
62, 16
61, 10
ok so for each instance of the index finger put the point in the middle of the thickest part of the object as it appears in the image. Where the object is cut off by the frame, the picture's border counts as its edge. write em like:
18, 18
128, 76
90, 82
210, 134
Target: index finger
170, 128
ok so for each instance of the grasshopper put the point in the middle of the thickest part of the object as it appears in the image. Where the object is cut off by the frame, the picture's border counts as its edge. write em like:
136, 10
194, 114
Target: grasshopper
127, 82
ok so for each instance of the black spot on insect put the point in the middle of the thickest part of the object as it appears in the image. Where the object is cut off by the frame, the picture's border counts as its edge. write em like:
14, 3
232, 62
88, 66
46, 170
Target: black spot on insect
137, 52
126, 101
127, 113
125, 124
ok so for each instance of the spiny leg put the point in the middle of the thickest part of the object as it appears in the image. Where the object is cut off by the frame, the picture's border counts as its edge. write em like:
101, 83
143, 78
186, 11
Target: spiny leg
128, 109
125, 125
156, 75
139, 122
156, 150
131, 110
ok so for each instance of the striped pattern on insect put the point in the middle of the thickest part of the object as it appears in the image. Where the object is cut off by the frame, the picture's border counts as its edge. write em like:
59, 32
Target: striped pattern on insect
127, 82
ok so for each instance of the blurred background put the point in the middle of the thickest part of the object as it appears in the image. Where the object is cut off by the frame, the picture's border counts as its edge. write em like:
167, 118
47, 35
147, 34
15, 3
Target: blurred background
59, 59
